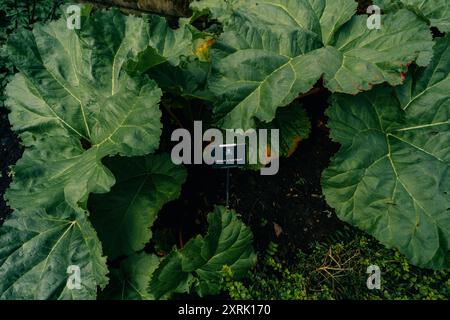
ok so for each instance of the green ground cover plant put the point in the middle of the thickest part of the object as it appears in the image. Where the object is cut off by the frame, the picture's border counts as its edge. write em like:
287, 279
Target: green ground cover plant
334, 269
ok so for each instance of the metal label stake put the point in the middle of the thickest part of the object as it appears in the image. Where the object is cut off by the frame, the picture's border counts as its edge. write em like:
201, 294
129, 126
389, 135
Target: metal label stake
228, 188
231, 156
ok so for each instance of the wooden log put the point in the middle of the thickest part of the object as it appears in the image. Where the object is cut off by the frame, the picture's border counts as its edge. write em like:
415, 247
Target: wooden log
176, 8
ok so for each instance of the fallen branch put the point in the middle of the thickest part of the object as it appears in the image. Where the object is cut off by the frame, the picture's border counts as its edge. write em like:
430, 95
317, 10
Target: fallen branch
176, 8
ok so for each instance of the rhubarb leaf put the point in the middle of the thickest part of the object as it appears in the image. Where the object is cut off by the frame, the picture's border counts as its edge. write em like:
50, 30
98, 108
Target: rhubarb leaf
359, 58
437, 12
319, 18
228, 244
294, 126
391, 176
274, 50
131, 280
36, 250
188, 80
164, 44
123, 217
257, 70
72, 104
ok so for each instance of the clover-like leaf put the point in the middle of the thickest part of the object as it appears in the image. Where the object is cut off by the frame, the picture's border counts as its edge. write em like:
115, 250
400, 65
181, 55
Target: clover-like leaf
227, 244
123, 217
437, 12
391, 176
72, 104
36, 250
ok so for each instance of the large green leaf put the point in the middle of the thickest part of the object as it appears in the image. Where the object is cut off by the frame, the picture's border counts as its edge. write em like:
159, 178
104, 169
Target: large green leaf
164, 45
227, 244
294, 126
391, 176
271, 51
256, 70
36, 250
318, 18
124, 216
437, 12
131, 280
359, 58
169, 278
72, 104
188, 80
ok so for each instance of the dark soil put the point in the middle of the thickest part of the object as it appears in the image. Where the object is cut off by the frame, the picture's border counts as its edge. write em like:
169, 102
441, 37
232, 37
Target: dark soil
10, 152
293, 198
290, 202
